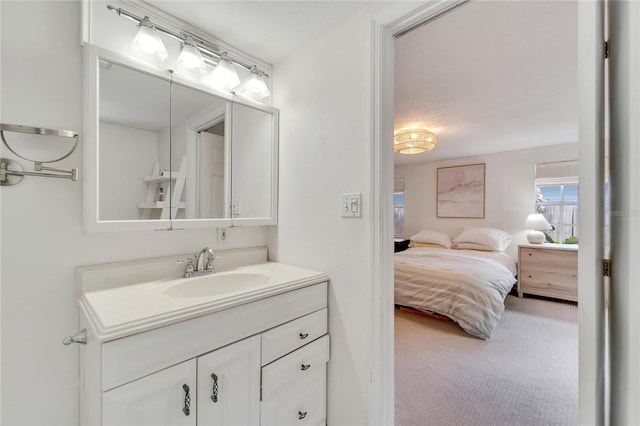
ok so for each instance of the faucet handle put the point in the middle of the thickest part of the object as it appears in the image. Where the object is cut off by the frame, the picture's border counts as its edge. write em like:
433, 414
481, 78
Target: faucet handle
189, 270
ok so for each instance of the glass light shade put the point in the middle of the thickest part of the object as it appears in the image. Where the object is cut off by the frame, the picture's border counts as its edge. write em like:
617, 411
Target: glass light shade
223, 76
147, 45
414, 141
254, 87
190, 62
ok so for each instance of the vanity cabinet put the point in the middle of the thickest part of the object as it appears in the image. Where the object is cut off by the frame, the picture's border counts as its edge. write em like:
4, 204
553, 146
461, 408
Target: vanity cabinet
262, 362
219, 388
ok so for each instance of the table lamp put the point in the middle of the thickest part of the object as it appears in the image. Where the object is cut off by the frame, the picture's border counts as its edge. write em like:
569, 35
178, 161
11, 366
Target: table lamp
536, 223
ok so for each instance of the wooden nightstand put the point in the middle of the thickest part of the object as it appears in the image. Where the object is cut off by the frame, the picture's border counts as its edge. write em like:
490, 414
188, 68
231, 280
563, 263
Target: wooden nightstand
549, 270
400, 244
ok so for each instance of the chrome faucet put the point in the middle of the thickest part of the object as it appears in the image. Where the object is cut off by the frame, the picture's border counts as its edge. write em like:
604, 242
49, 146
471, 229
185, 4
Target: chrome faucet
201, 268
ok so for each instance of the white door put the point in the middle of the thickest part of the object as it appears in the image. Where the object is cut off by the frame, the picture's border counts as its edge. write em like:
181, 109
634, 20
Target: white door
229, 385
624, 101
591, 310
163, 398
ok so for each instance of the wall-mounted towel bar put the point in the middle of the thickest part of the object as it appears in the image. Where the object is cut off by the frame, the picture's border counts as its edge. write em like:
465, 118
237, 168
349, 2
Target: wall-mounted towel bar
11, 172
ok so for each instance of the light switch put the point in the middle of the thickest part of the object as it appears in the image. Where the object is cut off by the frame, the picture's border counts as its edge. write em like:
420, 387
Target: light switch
351, 204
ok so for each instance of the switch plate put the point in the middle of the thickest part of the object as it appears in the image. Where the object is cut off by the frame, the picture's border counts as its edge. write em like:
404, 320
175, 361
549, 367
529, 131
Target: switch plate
351, 204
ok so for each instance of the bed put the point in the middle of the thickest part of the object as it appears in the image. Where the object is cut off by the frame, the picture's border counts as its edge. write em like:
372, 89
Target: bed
467, 286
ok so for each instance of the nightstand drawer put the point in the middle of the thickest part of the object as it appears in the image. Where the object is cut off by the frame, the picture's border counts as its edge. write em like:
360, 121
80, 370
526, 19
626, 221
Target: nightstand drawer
550, 284
546, 260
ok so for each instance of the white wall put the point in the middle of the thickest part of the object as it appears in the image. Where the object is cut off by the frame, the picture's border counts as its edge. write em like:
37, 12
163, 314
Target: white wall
509, 191
41, 220
124, 187
324, 93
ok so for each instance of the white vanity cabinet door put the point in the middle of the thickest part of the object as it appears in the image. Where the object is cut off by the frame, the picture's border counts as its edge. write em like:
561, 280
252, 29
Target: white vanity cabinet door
158, 399
232, 395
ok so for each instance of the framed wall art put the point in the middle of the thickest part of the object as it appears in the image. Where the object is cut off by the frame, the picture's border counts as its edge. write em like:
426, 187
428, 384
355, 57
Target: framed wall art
461, 191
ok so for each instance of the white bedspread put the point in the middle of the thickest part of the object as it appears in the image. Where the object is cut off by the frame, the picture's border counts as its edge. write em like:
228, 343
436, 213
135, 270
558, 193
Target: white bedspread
467, 286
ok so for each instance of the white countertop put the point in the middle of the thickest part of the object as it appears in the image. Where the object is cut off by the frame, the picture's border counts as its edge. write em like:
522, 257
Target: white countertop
121, 305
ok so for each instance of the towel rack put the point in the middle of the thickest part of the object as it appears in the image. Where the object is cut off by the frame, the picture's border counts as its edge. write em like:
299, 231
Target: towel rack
11, 172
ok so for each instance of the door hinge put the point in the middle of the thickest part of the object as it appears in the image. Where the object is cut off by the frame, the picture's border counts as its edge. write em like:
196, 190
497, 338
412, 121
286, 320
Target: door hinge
606, 49
606, 267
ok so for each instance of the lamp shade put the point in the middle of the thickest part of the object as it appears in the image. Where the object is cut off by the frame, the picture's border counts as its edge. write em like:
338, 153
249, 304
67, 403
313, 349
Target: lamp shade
254, 86
536, 222
190, 61
147, 45
414, 141
224, 75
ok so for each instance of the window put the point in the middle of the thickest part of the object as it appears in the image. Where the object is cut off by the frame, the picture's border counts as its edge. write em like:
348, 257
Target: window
398, 214
557, 199
558, 202
398, 207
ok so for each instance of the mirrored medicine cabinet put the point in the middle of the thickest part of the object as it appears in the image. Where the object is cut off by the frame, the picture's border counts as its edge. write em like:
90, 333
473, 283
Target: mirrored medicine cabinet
163, 152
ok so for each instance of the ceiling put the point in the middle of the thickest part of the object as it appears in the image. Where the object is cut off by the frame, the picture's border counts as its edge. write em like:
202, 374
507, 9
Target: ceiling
488, 77
269, 29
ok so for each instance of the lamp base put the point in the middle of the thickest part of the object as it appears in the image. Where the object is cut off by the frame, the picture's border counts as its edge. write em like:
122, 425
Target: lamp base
536, 237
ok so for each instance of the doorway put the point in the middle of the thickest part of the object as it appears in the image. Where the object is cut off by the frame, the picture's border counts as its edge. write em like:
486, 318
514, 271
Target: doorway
591, 337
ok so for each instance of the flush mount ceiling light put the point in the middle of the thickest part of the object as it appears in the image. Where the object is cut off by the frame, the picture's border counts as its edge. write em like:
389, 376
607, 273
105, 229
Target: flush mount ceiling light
224, 75
147, 44
195, 55
190, 61
254, 86
413, 141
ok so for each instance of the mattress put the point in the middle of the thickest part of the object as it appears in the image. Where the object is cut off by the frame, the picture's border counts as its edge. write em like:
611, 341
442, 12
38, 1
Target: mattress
467, 286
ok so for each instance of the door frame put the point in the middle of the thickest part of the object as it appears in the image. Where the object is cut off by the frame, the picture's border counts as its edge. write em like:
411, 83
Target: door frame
591, 304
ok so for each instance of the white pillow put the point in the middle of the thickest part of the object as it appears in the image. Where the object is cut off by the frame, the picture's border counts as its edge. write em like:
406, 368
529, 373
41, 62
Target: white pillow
494, 238
433, 237
473, 246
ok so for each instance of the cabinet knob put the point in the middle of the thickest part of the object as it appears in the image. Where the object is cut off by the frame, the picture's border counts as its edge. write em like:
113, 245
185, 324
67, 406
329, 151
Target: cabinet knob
304, 335
305, 367
302, 414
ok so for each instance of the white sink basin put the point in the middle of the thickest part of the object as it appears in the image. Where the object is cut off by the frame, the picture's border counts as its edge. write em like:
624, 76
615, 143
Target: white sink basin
216, 284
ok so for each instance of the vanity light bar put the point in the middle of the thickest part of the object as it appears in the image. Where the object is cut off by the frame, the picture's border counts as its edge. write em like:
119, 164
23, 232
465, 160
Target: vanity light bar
209, 50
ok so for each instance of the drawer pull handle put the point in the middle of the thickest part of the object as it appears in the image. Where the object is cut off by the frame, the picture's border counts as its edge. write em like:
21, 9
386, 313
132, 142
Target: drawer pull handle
302, 414
304, 335
214, 390
305, 367
187, 400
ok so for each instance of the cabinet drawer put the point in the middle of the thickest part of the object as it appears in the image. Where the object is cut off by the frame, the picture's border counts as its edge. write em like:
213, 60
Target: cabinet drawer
277, 376
300, 403
290, 336
563, 261
550, 284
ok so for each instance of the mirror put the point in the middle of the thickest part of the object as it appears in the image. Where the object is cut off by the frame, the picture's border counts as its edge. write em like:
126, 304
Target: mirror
133, 141
162, 150
253, 163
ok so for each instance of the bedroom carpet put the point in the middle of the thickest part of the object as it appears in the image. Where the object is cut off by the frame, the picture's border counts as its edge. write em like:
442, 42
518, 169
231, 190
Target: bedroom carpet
526, 374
